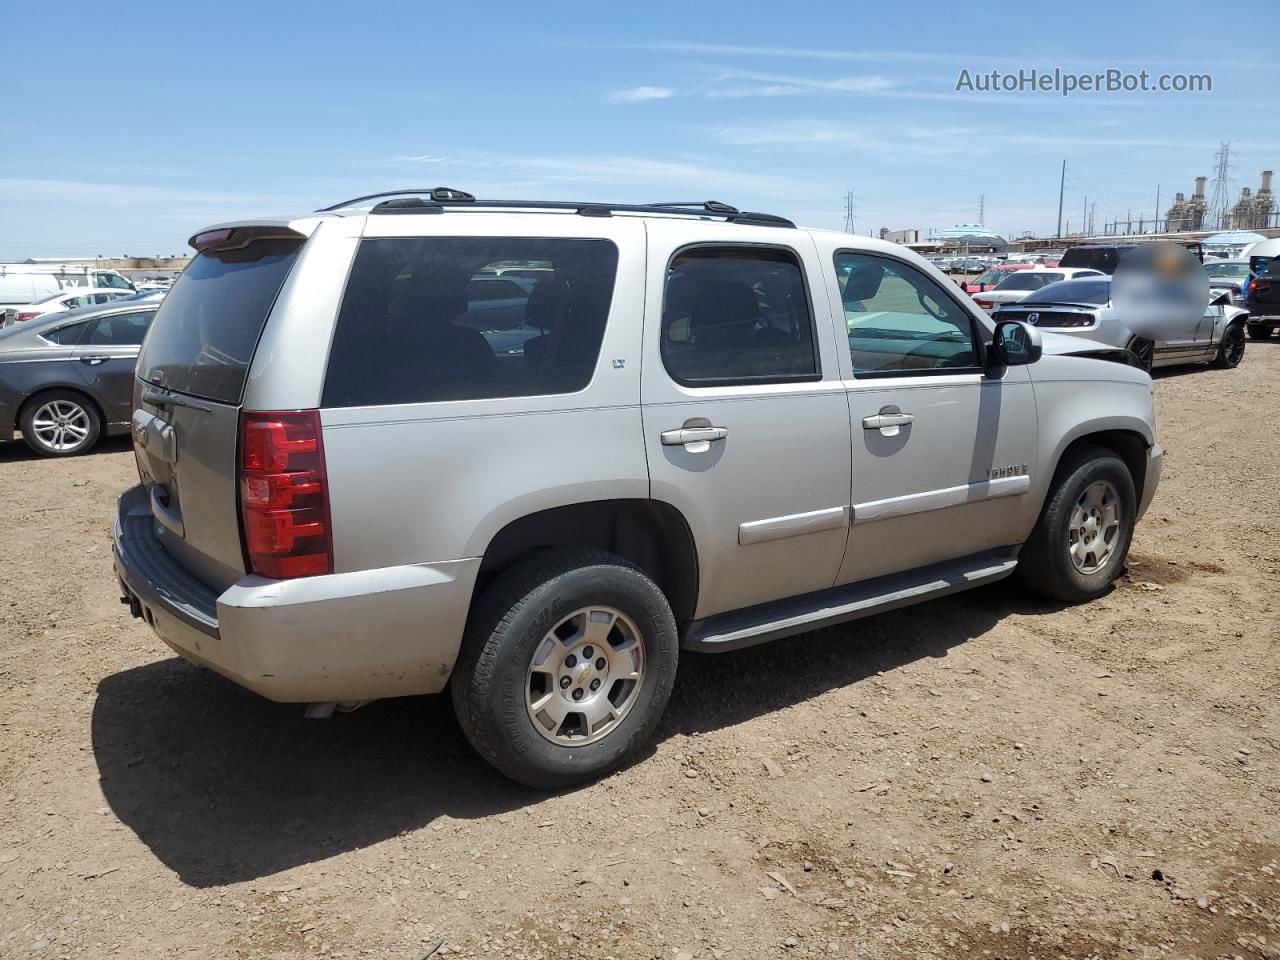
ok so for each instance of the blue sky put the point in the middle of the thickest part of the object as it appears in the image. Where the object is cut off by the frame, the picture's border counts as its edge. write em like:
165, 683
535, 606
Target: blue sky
128, 127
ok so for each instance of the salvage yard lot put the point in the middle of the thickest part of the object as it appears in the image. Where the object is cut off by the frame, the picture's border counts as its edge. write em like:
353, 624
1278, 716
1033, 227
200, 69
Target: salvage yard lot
986, 775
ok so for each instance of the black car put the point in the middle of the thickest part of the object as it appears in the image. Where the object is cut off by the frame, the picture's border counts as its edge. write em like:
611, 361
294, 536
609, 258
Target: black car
66, 379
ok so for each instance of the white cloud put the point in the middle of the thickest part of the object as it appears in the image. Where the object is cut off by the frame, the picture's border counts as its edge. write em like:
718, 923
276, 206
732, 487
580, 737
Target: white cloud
772, 85
641, 94
421, 158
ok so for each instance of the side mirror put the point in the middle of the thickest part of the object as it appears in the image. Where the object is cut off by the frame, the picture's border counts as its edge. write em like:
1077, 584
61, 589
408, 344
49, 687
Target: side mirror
1016, 344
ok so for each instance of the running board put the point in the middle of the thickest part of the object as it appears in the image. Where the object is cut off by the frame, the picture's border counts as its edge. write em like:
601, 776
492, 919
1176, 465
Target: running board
826, 608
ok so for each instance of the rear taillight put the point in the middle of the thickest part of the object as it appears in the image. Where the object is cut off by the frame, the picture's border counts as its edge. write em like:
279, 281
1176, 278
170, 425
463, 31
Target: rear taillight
984, 304
28, 316
1255, 285
284, 498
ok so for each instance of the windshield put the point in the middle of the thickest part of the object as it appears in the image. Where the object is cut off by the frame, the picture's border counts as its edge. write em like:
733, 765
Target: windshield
1232, 271
1073, 291
1028, 281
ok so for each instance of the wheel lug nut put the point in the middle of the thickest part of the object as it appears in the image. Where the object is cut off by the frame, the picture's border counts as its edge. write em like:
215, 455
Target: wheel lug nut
571, 661
577, 694
600, 664
587, 653
564, 683
595, 684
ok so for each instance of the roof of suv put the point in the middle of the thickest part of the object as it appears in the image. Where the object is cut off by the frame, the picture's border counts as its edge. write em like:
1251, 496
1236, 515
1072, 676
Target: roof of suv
438, 200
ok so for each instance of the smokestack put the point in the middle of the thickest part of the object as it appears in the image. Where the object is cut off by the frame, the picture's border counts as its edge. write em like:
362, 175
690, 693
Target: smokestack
1179, 198
1200, 181
1266, 182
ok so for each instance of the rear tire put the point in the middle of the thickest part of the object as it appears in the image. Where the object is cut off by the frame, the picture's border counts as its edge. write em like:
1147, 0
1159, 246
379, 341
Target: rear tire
1075, 552
60, 423
1258, 332
566, 667
1231, 349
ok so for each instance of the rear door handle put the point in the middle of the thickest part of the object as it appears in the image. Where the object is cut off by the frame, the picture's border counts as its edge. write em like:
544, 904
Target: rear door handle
882, 420
693, 439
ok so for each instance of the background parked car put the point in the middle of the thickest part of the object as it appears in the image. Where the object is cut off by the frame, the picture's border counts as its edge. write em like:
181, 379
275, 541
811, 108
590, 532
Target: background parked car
992, 276
1083, 308
1014, 286
64, 300
1229, 275
66, 379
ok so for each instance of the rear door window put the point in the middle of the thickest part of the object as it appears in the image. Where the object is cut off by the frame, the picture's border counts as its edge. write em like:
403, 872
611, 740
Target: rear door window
737, 315
427, 319
206, 330
65, 336
119, 330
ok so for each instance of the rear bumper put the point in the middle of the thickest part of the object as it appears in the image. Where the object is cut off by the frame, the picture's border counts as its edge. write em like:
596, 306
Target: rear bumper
1268, 317
1155, 467
347, 636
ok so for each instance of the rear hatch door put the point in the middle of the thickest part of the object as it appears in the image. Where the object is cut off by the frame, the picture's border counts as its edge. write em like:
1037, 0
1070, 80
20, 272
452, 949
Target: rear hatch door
190, 380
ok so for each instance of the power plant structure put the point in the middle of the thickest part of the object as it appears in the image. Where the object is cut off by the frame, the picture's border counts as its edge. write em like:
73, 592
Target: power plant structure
1253, 211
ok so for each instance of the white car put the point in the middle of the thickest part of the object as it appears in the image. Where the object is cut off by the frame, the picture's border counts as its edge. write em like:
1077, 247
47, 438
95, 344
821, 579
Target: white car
1022, 282
71, 299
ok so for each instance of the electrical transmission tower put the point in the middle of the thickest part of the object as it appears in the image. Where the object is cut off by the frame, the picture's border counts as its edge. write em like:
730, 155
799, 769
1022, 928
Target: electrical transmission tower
1221, 199
982, 208
848, 212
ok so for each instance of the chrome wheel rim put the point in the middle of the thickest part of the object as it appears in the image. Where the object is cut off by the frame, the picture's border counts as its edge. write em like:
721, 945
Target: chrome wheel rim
585, 676
1094, 530
61, 425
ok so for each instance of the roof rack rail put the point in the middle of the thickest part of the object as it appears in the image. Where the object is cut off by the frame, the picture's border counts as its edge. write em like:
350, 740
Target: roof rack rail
437, 199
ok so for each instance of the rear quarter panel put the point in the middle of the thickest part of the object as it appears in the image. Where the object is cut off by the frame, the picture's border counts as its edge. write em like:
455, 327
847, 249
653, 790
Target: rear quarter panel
416, 483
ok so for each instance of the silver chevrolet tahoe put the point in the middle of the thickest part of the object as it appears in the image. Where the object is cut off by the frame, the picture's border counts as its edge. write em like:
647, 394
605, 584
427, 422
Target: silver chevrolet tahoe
530, 451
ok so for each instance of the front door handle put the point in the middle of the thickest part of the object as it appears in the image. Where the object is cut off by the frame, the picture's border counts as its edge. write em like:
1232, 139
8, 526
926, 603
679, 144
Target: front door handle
882, 420
94, 361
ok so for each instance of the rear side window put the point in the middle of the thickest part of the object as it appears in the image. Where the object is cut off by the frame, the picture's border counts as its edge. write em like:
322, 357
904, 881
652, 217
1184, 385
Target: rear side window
207, 329
65, 336
120, 330
427, 319
737, 315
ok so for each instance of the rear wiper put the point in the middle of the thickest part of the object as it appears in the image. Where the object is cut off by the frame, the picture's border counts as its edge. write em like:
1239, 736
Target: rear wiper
153, 396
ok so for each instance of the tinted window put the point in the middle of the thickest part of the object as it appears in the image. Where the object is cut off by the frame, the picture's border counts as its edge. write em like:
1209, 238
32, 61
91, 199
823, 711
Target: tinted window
901, 321
1072, 291
209, 324
737, 315
123, 329
411, 329
1232, 271
112, 280
1028, 281
66, 336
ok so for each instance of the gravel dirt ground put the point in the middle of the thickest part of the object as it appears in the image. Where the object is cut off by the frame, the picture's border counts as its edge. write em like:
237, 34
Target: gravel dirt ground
982, 776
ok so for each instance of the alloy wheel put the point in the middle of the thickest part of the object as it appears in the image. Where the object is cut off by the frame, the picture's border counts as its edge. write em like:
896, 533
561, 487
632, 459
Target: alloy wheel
585, 676
61, 425
1094, 528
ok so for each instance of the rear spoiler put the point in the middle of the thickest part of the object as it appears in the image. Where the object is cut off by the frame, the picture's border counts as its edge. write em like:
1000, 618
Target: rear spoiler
220, 239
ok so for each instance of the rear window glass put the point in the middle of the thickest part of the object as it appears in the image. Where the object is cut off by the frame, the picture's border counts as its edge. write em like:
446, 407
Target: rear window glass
1028, 281
428, 319
206, 331
1094, 258
1073, 291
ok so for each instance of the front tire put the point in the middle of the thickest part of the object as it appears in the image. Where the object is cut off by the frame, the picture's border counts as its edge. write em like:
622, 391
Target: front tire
1080, 543
566, 667
1231, 349
60, 423
1258, 332
1145, 352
